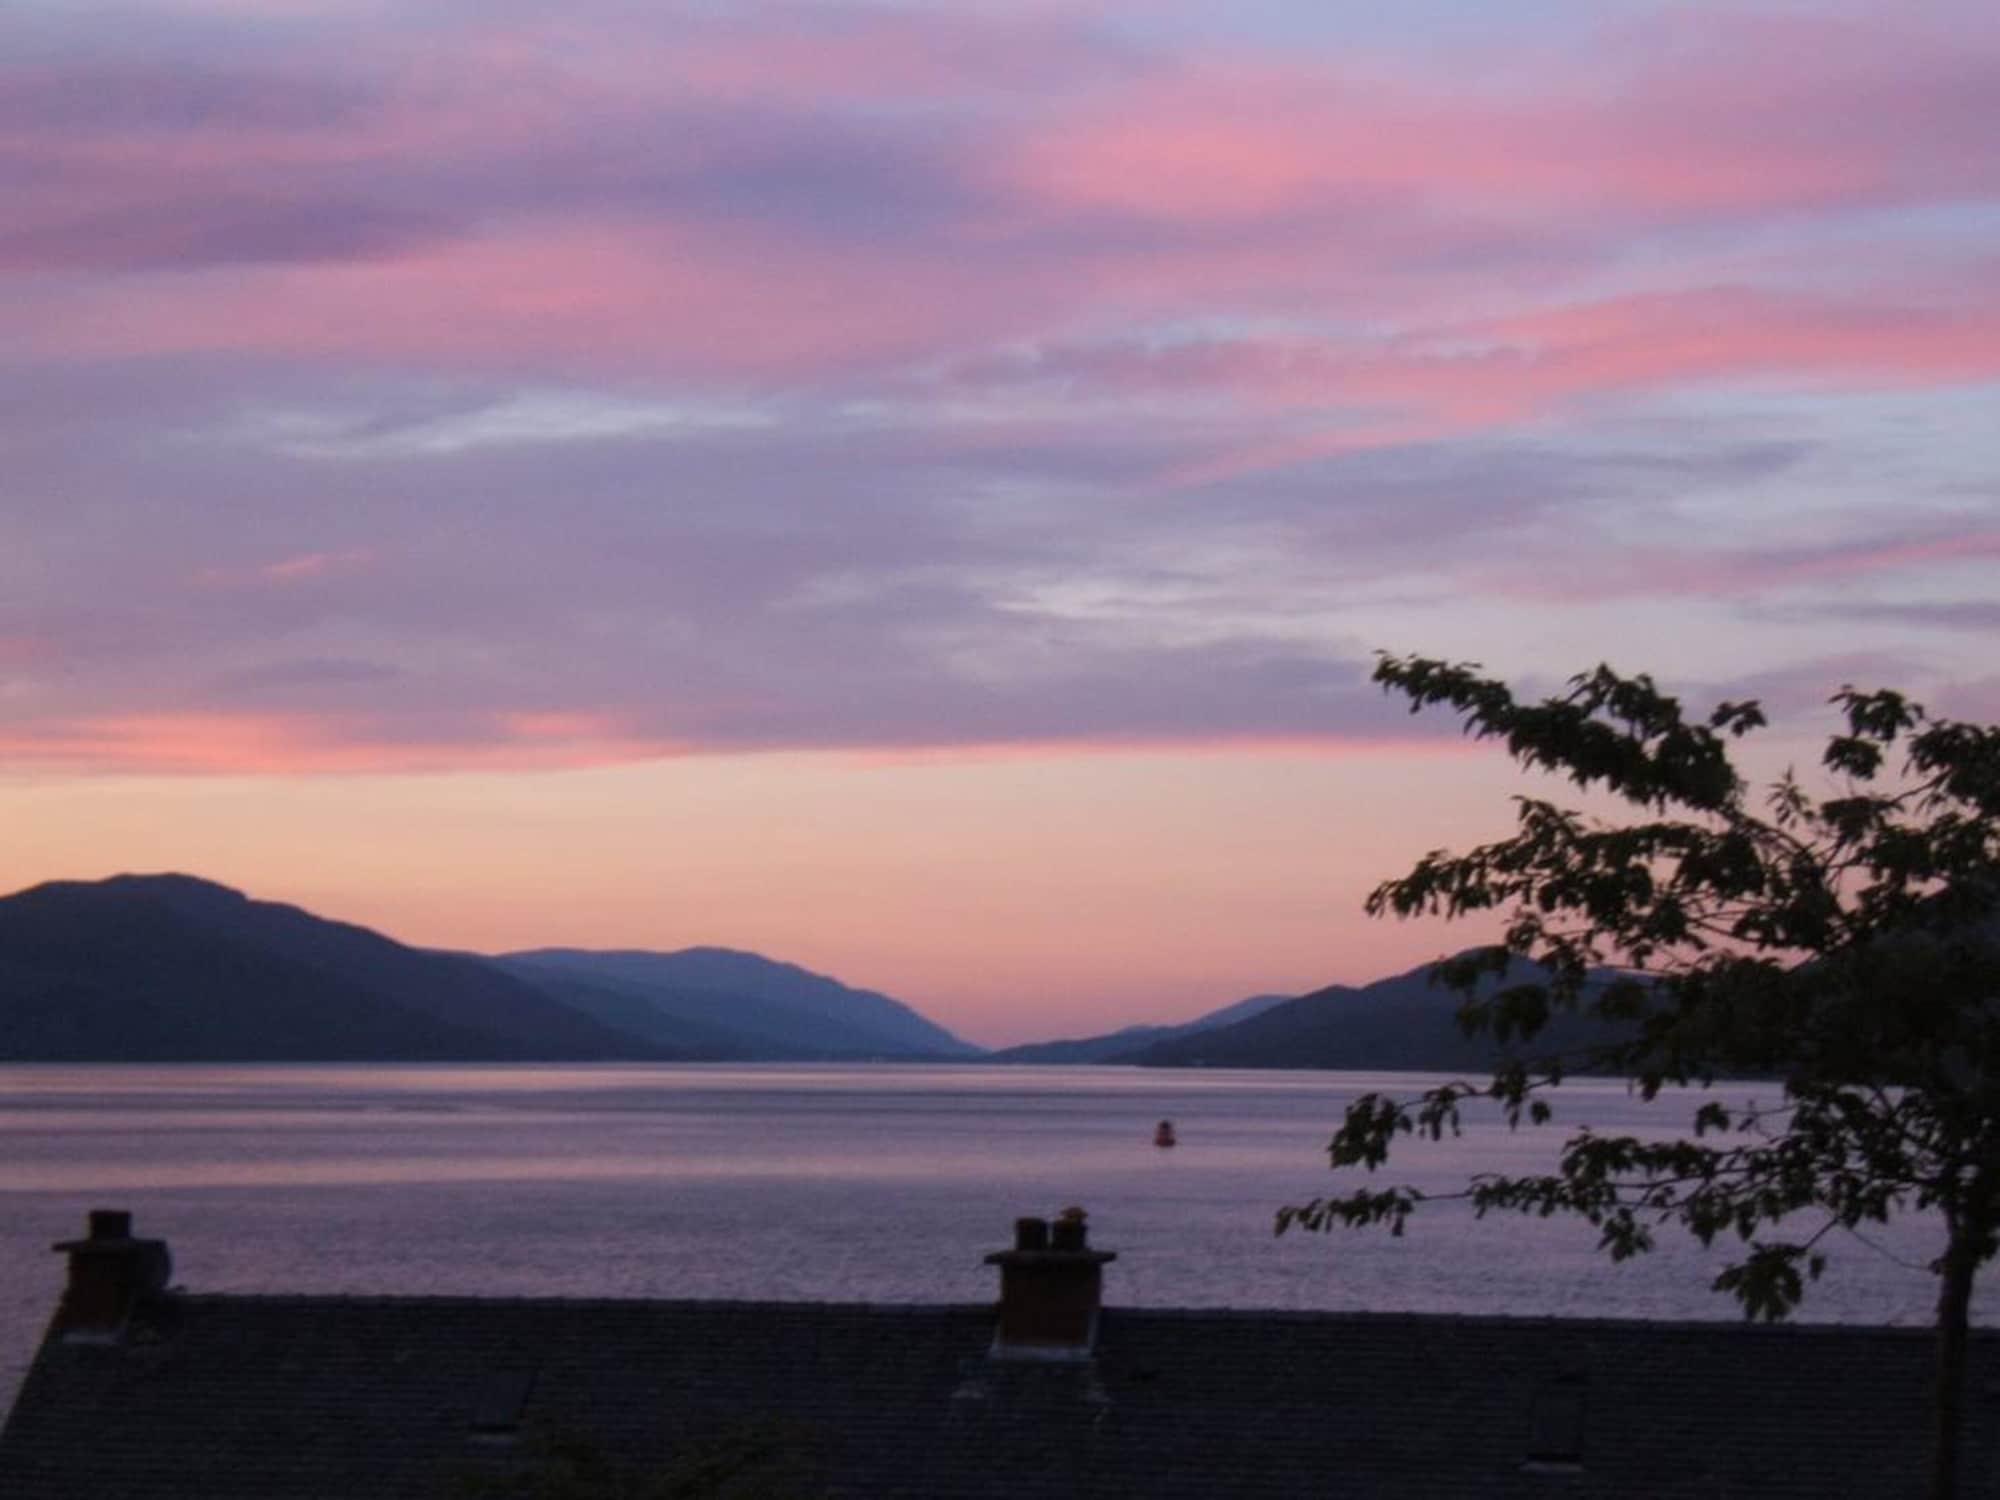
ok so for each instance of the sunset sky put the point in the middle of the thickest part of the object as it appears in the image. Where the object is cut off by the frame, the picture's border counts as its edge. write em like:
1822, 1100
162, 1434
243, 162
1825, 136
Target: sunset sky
914, 489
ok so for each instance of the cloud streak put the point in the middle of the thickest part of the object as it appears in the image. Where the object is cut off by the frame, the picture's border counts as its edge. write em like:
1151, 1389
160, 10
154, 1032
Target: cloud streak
492, 388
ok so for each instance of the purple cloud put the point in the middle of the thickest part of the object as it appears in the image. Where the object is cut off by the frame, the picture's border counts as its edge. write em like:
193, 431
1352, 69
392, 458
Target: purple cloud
926, 378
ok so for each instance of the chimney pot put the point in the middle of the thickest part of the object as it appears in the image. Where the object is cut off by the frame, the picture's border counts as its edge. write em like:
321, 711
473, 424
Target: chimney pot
110, 1274
1051, 1288
110, 1224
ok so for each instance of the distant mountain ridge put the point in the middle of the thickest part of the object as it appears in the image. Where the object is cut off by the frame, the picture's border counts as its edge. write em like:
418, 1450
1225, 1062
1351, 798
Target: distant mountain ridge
1126, 1044
1404, 1023
767, 1003
172, 968
169, 968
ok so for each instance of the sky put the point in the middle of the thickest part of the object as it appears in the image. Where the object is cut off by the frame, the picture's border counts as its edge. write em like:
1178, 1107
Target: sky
916, 489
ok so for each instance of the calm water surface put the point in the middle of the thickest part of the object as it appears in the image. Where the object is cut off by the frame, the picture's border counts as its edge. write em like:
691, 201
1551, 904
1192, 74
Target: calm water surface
869, 1183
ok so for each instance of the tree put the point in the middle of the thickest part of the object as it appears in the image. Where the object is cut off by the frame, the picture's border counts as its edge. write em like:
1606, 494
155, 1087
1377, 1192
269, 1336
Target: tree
1843, 943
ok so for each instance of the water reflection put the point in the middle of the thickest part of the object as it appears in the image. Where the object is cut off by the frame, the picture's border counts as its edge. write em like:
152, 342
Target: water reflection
831, 1183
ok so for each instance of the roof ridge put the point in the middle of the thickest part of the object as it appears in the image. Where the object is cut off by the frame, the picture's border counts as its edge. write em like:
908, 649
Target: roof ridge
488, 1299
1113, 1311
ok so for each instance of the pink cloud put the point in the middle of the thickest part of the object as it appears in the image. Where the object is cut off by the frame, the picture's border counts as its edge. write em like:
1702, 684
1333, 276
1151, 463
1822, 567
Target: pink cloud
1681, 116
1720, 573
293, 569
1345, 746
268, 744
644, 298
965, 256
584, 193
562, 727
214, 743
1733, 332
1454, 379
315, 564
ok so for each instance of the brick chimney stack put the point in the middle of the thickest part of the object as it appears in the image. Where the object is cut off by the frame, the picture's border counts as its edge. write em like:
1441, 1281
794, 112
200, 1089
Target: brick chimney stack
110, 1274
1051, 1287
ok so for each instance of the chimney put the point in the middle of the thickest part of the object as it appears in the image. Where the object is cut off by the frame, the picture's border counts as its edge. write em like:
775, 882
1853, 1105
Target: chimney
110, 1273
1051, 1286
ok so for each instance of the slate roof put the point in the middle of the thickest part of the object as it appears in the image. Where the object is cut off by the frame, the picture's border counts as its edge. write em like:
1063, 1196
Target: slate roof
285, 1398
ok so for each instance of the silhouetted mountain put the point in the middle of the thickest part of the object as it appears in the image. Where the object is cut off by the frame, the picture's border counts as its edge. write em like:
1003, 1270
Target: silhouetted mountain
1401, 1023
159, 968
750, 1007
1083, 1049
1229, 1015
1118, 1045
630, 1011
154, 968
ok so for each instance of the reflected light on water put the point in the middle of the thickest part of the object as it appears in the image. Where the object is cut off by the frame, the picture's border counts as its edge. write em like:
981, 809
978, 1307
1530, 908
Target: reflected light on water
834, 1183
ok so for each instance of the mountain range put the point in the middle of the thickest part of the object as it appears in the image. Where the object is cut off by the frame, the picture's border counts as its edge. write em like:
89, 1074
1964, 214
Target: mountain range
680, 1000
1402, 1023
1125, 1044
171, 968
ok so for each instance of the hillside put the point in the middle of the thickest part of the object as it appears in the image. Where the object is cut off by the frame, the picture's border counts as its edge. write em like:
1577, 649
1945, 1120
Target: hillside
1118, 1045
170, 968
748, 1005
159, 968
1400, 1023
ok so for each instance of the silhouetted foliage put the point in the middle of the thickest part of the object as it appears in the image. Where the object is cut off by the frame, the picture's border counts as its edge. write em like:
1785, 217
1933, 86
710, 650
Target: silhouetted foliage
1843, 943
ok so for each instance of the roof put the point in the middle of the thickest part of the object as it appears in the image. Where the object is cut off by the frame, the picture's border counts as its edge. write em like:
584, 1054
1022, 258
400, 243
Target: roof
283, 1398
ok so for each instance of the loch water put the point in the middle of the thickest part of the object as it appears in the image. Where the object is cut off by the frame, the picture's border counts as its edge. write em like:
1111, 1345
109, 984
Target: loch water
873, 1183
